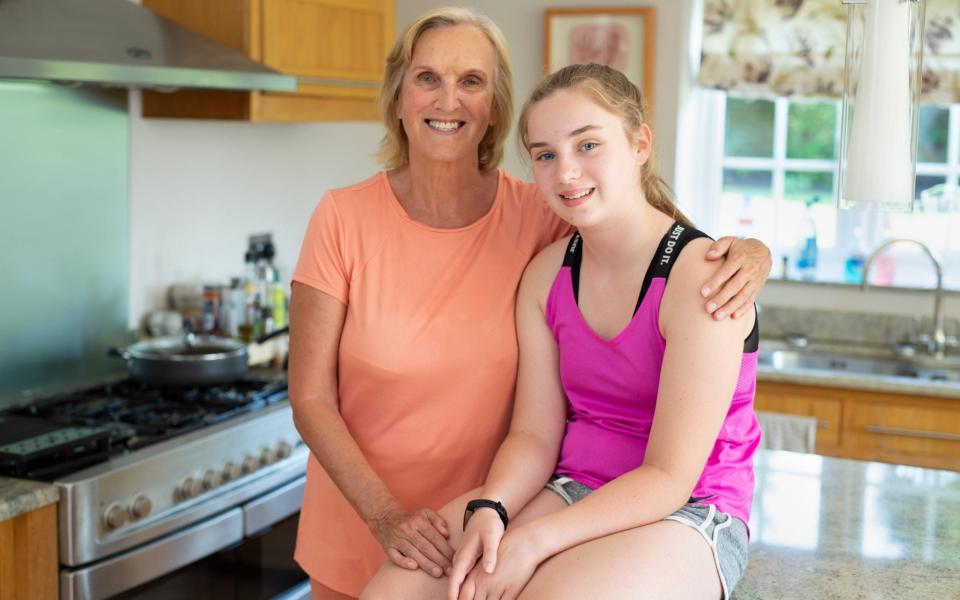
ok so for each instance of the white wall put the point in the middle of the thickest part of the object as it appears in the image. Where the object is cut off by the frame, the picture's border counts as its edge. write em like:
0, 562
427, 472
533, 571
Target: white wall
199, 188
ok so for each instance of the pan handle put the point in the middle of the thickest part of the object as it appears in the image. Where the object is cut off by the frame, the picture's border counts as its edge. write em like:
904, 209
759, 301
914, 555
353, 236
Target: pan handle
273, 334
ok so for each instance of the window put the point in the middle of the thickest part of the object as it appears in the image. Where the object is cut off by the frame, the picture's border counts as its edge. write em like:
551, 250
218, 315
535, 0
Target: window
777, 181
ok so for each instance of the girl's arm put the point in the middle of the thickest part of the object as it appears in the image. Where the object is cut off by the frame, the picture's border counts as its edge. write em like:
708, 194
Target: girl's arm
528, 455
411, 539
697, 380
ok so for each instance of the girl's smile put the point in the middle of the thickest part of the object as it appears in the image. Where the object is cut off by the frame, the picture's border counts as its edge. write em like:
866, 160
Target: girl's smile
572, 198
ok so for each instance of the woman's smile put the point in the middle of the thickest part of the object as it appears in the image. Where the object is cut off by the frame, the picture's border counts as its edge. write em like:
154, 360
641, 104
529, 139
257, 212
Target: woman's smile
446, 127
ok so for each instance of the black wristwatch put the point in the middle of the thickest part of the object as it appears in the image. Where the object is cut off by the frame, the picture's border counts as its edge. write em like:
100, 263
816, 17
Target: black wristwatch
473, 505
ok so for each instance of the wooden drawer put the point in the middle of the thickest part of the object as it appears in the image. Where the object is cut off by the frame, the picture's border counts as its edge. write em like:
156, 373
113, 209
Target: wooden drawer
824, 404
905, 432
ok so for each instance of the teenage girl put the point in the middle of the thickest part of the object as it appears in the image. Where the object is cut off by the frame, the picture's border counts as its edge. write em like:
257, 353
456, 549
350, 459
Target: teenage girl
627, 472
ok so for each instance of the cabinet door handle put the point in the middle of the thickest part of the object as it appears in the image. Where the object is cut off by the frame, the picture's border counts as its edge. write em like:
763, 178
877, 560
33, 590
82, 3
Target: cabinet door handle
917, 433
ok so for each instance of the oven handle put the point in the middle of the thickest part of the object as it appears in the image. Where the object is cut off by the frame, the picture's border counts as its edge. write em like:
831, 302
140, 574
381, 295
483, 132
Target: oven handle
153, 560
273, 507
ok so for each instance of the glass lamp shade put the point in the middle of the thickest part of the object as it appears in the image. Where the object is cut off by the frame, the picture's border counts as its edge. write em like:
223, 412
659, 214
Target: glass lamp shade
881, 103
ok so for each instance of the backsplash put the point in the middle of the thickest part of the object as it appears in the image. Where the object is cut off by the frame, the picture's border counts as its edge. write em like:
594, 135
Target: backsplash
777, 322
64, 234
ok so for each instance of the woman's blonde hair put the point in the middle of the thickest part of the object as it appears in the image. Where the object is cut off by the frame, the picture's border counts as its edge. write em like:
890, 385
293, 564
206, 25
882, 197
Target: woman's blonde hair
615, 93
394, 147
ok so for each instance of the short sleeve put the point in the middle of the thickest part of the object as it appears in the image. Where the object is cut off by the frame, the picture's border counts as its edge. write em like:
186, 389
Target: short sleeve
322, 264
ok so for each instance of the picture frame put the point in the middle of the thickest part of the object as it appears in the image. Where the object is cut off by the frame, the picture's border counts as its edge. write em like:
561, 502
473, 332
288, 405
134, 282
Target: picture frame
622, 37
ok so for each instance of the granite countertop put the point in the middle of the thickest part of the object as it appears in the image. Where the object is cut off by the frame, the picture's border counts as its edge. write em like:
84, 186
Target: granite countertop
824, 528
18, 496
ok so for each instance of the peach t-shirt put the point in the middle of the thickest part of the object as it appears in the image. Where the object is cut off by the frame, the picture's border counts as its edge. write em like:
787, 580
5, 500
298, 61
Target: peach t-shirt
428, 353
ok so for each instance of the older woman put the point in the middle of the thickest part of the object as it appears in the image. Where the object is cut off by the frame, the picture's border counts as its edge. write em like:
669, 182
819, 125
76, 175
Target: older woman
404, 350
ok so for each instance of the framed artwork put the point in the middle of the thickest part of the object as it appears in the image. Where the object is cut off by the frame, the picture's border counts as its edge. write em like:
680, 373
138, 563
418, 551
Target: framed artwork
620, 37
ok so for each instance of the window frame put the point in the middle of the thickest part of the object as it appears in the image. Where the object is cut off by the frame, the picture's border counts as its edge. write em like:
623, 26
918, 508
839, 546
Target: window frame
711, 108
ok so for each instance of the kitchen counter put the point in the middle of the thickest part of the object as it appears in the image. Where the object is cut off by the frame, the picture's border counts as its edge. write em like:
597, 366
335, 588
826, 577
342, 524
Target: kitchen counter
825, 528
18, 496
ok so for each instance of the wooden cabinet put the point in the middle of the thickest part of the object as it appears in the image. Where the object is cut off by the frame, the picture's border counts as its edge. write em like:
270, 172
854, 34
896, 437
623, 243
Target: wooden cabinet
893, 428
28, 556
335, 48
824, 404
898, 429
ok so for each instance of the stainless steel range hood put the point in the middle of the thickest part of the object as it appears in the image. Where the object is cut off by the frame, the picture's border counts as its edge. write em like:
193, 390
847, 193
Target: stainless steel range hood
119, 43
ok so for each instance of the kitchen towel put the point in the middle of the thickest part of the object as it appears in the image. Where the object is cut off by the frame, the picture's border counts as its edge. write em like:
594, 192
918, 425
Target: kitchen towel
781, 431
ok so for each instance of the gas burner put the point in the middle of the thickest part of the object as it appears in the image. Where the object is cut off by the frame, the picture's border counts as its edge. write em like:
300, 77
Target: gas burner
125, 416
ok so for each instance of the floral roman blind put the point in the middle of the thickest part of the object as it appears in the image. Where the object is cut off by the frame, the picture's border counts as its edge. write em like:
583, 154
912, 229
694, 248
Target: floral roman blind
796, 48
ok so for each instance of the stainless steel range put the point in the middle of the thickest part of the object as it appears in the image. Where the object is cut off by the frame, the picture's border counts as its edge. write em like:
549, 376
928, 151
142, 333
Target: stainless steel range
168, 492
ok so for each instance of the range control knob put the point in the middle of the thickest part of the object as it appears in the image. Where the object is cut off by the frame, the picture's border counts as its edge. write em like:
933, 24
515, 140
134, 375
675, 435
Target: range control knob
230, 471
140, 507
114, 516
190, 487
283, 450
211, 479
249, 465
267, 456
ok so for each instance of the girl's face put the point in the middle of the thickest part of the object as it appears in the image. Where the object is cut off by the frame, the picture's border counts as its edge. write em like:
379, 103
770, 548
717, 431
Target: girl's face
446, 97
583, 161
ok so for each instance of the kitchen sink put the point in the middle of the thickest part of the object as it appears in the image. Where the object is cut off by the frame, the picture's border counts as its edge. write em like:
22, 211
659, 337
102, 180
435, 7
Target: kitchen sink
923, 369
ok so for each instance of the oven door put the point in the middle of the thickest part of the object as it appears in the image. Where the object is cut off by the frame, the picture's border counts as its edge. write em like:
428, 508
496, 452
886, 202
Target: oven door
243, 553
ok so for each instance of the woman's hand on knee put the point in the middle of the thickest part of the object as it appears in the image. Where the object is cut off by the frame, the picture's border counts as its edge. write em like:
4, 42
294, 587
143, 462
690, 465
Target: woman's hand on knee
481, 539
415, 540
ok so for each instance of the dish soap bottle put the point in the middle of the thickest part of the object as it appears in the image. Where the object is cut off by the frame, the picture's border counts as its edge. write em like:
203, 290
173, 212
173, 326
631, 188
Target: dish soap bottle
853, 265
807, 257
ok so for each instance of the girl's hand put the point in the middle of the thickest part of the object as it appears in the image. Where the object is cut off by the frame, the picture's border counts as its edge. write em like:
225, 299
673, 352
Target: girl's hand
736, 284
415, 540
481, 539
518, 558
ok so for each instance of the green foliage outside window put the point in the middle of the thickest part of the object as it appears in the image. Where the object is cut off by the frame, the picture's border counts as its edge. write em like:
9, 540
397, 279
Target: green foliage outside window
934, 129
749, 128
811, 129
748, 182
801, 186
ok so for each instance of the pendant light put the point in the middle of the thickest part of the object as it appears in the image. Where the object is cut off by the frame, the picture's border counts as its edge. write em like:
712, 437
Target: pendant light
881, 103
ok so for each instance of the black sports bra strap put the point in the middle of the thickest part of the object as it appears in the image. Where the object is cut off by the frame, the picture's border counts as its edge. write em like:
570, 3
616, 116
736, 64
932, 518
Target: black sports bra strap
572, 258
670, 247
666, 254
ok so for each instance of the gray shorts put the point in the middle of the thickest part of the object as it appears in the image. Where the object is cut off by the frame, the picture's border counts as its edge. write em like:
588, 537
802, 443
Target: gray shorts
726, 535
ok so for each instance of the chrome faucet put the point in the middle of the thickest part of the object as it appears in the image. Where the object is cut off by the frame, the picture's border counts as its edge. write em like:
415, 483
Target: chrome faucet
938, 342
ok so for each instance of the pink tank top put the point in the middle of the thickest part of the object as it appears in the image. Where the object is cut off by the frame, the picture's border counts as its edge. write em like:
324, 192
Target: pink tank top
611, 386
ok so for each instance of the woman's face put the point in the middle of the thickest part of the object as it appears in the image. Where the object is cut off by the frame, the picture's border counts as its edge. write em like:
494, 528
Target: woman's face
584, 163
446, 97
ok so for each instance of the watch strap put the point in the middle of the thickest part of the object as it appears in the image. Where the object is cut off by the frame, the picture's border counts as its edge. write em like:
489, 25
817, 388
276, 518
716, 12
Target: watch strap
473, 505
